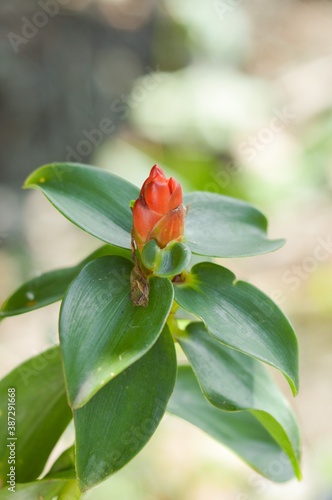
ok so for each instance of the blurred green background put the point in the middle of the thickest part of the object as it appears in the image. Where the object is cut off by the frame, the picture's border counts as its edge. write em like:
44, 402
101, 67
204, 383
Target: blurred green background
229, 96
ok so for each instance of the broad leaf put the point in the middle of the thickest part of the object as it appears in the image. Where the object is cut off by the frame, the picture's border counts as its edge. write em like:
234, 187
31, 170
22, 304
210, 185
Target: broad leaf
235, 382
117, 423
42, 413
240, 431
98, 202
241, 316
166, 262
38, 292
93, 199
50, 287
101, 331
220, 226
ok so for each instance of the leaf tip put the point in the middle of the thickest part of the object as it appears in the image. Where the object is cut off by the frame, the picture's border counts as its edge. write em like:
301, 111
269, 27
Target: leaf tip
89, 388
299, 475
293, 378
280, 242
79, 401
32, 181
295, 388
82, 486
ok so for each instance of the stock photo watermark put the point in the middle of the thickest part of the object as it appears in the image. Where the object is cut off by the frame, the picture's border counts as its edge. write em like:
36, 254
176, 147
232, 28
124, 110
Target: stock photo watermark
92, 139
248, 149
133, 439
120, 107
224, 8
299, 273
261, 484
222, 178
11, 438
30, 26
254, 144
37, 364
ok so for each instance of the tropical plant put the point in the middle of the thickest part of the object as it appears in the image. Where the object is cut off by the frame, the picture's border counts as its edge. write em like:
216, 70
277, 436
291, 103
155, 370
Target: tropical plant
150, 290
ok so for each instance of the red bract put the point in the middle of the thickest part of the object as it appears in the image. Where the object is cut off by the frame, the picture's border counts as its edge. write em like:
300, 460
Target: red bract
158, 213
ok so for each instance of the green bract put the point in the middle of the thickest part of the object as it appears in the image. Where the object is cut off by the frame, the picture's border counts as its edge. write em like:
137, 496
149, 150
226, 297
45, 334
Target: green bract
166, 262
115, 371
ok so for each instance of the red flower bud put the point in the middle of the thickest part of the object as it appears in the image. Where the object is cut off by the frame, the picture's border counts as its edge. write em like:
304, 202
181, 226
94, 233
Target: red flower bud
158, 213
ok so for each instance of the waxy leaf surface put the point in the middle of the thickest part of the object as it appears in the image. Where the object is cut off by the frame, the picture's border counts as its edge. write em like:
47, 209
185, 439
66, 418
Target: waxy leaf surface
239, 431
93, 199
51, 286
99, 203
241, 316
121, 418
235, 382
220, 226
101, 331
166, 262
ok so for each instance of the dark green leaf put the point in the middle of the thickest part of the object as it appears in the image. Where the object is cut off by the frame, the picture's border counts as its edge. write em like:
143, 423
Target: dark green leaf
42, 413
233, 381
117, 423
240, 431
166, 262
38, 292
101, 331
94, 200
50, 287
220, 226
241, 316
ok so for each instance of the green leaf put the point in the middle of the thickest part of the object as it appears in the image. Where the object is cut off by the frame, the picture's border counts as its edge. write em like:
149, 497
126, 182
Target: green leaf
240, 431
51, 287
117, 423
38, 292
101, 331
94, 200
220, 226
166, 262
41, 412
242, 317
233, 381
63, 465
48, 489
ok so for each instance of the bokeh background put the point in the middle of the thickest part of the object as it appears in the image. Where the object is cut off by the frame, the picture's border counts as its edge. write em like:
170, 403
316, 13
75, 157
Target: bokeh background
229, 96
